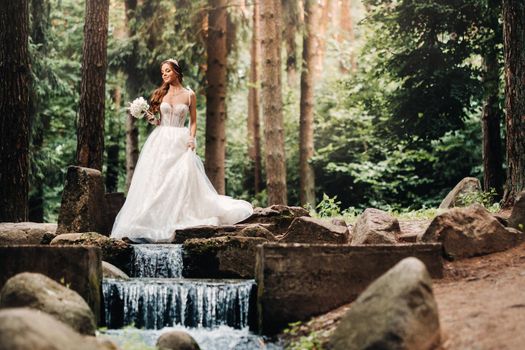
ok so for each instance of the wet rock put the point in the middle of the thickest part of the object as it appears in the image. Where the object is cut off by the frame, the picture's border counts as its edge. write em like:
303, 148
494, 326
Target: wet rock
311, 230
18, 233
111, 271
83, 207
517, 216
30, 329
256, 230
466, 186
471, 231
177, 340
375, 226
397, 311
278, 216
221, 257
42, 293
114, 251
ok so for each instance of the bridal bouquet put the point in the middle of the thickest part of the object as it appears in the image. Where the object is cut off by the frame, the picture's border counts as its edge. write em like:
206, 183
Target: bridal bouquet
138, 107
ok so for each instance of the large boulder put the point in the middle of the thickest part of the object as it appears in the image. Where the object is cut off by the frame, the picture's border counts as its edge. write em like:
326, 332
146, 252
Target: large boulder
221, 257
471, 231
279, 217
176, 340
468, 185
310, 230
517, 216
21, 233
111, 271
375, 226
114, 251
30, 329
83, 207
397, 311
256, 230
42, 293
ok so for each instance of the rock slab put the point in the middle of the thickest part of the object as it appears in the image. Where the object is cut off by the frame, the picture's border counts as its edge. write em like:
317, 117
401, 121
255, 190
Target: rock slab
20, 233
468, 185
397, 311
375, 226
278, 216
78, 267
310, 230
83, 207
471, 231
39, 292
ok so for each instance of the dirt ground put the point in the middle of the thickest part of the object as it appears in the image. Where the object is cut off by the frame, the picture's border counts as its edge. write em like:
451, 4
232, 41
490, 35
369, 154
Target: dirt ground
481, 304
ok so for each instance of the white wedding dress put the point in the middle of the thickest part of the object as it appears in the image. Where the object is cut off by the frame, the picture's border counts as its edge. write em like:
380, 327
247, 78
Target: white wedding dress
170, 190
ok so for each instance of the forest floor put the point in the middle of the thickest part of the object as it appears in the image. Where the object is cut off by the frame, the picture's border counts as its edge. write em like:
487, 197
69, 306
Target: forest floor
481, 303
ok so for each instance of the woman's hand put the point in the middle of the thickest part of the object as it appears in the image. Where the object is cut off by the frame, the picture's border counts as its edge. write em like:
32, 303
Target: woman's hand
151, 118
191, 143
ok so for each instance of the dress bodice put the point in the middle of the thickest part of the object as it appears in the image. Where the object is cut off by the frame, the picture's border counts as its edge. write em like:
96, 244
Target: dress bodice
173, 115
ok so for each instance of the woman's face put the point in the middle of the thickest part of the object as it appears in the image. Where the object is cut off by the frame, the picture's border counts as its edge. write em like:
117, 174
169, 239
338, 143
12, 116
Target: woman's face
168, 73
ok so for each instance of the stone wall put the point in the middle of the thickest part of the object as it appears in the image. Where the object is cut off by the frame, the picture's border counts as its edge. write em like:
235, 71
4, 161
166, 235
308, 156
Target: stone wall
298, 281
79, 268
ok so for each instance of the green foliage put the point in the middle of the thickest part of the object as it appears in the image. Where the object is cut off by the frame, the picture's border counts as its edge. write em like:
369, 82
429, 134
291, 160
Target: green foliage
328, 207
306, 342
485, 198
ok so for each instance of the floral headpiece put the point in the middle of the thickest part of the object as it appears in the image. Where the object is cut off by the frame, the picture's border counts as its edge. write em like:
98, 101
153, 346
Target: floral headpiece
174, 61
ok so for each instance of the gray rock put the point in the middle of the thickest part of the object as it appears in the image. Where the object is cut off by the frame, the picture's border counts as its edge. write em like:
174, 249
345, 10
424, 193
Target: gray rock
278, 216
111, 271
221, 257
29, 329
471, 231
17, 233
256, 230
397, 311
115, 251
517, 216
375, 226
83, 207
465, 186
177, 340
311, 230
42, 293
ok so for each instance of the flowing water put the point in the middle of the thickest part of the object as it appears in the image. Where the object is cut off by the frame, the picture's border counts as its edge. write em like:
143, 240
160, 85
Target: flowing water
216, 312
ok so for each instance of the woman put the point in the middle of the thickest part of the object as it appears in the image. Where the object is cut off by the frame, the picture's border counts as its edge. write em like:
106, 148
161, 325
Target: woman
169, 189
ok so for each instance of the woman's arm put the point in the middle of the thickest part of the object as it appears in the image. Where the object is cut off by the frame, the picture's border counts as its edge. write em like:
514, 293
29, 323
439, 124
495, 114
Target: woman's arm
193, 114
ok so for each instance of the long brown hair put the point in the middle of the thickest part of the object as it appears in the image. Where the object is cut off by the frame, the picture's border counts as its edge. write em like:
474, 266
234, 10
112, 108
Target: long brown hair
160, 92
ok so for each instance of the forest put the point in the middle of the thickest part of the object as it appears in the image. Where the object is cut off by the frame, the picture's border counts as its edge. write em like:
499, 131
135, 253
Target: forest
343, 104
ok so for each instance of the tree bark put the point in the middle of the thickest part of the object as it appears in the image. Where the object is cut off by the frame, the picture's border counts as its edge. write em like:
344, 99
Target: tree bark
306, 119
292, 23
493, 175
322, 26
113, 149
132, 86
90, 129
254, 126
514, 48
346, 34
272, 101
15, 80
216, 77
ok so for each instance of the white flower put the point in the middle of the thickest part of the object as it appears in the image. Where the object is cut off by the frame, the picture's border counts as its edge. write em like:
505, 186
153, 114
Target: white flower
138, 107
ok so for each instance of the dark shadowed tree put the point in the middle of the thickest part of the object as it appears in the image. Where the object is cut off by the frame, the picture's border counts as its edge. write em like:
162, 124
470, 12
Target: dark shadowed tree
272, 102
216, 75
514, 48
90, 128
14, 110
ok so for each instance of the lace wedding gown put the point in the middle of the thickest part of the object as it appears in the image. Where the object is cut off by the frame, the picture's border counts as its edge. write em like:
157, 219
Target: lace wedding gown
170, 189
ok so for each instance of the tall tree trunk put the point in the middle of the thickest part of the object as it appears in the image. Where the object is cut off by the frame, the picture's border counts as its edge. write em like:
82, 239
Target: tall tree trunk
322, 26
306, 120
514, 47
493, 175
272, 101
216, 76
346, 35
113, 149
254, 133
15, 80
132, 86
40, 10
291, 23
90, 129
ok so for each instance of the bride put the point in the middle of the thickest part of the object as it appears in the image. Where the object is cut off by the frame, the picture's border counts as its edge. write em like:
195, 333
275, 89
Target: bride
169, 189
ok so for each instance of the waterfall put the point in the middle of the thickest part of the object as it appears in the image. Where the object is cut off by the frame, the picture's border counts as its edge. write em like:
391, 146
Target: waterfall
157, 260
153, 303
